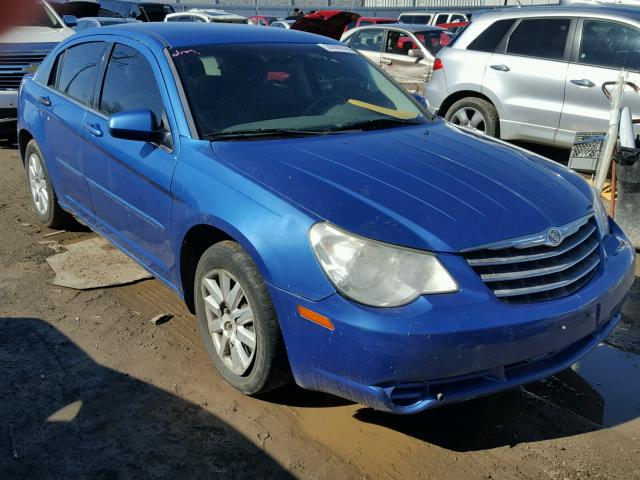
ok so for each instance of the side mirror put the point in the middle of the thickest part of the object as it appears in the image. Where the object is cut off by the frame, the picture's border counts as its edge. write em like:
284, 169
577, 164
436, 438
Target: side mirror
416, 53
70, 20
138, 125
421, 100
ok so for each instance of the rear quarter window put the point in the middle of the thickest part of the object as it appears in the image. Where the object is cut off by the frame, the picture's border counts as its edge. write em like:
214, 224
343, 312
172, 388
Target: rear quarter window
489, 40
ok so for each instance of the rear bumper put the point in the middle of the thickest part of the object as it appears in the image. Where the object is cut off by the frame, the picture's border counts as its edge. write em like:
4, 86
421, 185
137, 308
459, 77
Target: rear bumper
449, 348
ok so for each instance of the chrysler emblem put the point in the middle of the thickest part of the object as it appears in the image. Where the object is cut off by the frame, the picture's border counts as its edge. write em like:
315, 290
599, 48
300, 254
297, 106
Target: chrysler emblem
554, 237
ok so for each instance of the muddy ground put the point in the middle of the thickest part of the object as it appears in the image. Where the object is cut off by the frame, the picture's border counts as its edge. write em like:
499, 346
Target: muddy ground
89, 388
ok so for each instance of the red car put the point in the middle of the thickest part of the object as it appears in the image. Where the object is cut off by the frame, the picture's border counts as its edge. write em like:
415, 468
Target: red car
453, 26
262, 20
370, 21
330, 23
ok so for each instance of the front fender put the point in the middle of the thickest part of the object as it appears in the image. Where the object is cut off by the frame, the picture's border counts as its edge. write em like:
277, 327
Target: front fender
273, 232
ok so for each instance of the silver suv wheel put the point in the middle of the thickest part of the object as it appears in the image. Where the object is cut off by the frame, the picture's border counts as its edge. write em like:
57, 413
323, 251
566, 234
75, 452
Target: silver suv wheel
469, 117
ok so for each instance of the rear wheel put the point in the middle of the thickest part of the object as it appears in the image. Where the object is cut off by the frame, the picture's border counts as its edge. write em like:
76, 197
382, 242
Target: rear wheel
237, 320
43, 197
475, 113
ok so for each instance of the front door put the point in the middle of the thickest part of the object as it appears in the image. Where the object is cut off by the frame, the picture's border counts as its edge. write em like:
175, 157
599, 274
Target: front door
130, 181
410, 72
606, 47
527, 74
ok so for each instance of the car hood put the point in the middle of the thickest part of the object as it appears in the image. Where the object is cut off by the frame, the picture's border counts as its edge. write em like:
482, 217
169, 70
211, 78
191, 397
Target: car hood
330, 23
433, 187
34, 36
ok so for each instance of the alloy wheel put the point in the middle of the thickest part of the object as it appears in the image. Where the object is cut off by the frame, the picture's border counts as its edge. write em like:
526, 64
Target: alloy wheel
469, 117
230, 320
38, 185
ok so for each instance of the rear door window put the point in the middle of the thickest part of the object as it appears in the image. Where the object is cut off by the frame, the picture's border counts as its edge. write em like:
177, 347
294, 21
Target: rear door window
442, 18
123, 88
369, 39
610, 45
540, 37
489, 40
79, 71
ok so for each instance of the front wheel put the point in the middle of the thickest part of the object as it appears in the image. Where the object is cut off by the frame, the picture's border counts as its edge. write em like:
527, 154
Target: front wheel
237, 320
475, 113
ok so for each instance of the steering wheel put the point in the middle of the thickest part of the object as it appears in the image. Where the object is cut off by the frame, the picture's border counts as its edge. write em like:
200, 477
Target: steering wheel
322, 100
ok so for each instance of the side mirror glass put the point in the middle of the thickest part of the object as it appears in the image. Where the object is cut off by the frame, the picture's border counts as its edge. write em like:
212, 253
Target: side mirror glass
137, 125
416, 53
70, 20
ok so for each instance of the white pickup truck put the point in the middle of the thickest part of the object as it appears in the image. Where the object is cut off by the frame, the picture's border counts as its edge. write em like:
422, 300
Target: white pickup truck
21, 51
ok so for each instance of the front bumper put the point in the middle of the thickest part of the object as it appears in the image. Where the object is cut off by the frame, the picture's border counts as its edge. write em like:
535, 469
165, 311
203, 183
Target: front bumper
448, 348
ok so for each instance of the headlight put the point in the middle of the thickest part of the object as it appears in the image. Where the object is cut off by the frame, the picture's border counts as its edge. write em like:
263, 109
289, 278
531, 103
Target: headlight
602, 217
376, 273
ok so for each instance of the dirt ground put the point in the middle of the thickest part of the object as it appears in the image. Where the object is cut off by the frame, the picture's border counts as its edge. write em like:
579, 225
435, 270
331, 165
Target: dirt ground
89, 388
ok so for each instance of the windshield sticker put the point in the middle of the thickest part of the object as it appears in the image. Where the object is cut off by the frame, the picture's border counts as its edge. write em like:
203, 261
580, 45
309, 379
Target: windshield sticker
336, 48
178, 53
384, 110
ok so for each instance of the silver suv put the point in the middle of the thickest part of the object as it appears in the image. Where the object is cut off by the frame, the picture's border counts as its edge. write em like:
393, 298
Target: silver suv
535, 74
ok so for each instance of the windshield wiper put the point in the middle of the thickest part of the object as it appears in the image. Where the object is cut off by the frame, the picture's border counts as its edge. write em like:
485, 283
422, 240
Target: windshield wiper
263, 132
377, 123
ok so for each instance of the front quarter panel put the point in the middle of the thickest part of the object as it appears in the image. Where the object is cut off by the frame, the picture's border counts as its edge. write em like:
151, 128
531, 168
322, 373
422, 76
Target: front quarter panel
207, 192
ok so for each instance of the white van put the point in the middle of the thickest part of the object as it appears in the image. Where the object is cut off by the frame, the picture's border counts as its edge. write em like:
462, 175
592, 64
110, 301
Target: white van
432, 18
21, 50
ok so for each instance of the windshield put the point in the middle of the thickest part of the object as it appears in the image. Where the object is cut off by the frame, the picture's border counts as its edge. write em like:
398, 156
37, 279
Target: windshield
301, 87
434, 40
40, 17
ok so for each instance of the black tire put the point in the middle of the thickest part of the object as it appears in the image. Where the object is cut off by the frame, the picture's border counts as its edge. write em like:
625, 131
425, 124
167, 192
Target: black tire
54, 216
269, 368
487, 110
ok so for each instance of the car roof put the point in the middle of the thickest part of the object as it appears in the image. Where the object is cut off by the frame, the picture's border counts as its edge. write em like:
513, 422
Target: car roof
573, 10
175, 35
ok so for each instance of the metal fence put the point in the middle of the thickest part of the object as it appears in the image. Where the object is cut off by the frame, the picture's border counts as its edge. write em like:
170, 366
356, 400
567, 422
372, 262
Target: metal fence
368, 8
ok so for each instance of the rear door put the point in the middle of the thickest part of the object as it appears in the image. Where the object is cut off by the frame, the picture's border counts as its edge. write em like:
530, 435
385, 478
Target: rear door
70, 92
130, 181
602, 49
526, 76
368, 42
410, 72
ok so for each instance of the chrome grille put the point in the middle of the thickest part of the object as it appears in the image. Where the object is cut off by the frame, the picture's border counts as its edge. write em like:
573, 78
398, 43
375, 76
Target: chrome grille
529, 270
13, 67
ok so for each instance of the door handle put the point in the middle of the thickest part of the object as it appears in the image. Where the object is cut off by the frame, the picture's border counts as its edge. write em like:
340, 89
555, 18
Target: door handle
93, 129
583, 83
46, 101
386, 61
500, 68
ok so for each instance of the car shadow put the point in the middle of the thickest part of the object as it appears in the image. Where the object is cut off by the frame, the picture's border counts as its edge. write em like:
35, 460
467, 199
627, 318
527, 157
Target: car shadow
504, 419
65, 416
294, 396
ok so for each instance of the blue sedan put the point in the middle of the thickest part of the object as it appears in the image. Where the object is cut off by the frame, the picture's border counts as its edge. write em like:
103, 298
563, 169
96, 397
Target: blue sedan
322, 226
